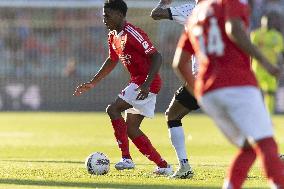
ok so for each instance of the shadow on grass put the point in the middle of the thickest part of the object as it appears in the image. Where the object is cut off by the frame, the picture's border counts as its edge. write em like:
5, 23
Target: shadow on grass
43, 161
58, 161
26, 182
81, 162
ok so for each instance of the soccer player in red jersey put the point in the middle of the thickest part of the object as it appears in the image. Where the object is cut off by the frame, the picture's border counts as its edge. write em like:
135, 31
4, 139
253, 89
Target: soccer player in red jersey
182, 102
226, 87
133, 48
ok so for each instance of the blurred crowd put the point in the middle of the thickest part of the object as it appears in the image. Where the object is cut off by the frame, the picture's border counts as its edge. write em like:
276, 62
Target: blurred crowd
36, 42
262, 7
71, 42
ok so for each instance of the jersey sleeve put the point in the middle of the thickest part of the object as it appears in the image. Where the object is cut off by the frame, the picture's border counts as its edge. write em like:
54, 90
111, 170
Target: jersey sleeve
180, 13
140, 41
112, 54
184, 43
237, 9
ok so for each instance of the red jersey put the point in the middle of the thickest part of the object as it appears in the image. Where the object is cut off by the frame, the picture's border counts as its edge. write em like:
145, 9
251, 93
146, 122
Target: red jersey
221, 62
133, 47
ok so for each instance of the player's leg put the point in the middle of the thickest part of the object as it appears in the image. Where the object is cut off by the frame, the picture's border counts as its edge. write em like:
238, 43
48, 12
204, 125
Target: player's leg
240, 166
134, 121
143, 143
269, 98
120, 131
254, 121
249, 115
267, 150
214, 104
174, 114
181, 104
135, 115
122, 103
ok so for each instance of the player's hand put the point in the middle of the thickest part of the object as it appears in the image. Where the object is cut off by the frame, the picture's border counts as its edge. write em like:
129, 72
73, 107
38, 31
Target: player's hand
270, 68
143, 92
83, 88
273, 70
276, 72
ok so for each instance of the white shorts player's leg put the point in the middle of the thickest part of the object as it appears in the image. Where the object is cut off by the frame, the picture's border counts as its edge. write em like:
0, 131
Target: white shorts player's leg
144, 107
220, 115
239, 112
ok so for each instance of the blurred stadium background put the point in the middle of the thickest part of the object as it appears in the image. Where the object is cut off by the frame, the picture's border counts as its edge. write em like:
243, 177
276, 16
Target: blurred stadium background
48, 47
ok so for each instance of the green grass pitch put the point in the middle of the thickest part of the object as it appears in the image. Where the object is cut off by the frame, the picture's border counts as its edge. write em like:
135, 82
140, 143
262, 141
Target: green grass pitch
47, 151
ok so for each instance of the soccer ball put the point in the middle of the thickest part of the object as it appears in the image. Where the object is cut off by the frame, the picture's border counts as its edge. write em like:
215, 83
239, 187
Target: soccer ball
97, 164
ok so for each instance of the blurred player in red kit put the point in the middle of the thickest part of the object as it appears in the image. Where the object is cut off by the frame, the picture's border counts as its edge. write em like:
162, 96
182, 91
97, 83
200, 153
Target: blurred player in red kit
133, 48
226, 87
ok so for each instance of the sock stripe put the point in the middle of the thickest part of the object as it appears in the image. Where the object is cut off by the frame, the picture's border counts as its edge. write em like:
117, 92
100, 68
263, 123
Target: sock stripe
174, 123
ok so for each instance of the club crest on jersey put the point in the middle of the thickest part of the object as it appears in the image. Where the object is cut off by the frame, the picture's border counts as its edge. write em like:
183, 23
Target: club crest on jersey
145, 44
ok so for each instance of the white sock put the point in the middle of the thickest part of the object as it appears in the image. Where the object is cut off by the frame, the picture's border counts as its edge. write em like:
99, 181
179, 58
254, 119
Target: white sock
177, 137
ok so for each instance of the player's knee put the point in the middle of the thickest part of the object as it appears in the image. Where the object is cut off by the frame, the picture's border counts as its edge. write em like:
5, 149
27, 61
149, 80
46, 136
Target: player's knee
167, 114
171, 115
132, 132
110, 110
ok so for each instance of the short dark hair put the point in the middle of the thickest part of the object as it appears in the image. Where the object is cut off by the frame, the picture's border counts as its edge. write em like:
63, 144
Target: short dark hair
118, 5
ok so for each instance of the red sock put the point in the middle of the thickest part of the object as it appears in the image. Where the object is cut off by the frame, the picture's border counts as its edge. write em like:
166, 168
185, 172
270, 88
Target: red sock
145, 147
120, 133
240, 167
273, 167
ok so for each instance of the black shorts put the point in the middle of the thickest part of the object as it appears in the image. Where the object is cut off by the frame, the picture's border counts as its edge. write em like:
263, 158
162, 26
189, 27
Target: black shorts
186, 99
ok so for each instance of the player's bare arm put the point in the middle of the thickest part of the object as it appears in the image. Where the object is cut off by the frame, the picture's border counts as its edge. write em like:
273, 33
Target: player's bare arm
143, 89
236, 32
183, 67
106, 68
160, 11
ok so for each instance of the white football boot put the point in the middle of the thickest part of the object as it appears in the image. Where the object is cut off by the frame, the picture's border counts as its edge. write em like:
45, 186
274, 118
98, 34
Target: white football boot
164, 171
125, 164
183, 172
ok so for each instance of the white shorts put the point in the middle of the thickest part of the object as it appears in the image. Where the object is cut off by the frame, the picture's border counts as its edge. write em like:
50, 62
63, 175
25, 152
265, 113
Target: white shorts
144, 107
239, 112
